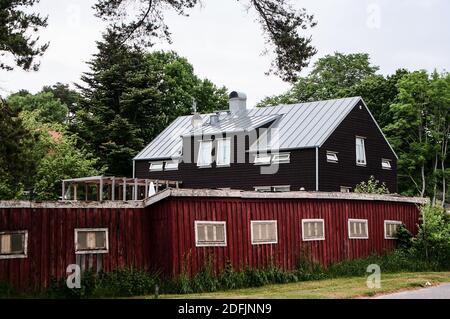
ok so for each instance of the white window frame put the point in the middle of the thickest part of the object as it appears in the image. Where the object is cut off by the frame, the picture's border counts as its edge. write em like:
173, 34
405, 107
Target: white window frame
363, 140
200, 150
315, 220
154, 164
263, 189
332, 157
220, 150
281, 158
25, 244
366, 223
386, 222
253, 222
92, 251
388, 161
348, 188
172, 165
211, 244
262, 159
274, 188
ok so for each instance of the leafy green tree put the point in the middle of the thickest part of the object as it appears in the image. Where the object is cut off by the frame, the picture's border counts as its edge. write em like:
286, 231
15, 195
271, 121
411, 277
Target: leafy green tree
330, 77
15, 164
67, 96
51, 110
56, 157
129, 96
17, 40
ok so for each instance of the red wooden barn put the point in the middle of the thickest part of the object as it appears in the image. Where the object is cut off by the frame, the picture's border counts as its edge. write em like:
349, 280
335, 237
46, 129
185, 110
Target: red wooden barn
179, 229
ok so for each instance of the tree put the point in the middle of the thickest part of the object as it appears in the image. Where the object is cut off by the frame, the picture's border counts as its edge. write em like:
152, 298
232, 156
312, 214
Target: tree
331, 77
16, 41
143, 20
55, 157
67, 96
50, 109
16, 167
129, 96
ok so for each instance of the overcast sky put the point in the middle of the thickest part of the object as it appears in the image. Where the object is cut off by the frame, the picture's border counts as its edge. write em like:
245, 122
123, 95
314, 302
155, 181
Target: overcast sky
224, 43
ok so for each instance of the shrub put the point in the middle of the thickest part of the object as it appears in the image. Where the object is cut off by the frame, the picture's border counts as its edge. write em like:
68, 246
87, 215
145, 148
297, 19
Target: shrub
372, 186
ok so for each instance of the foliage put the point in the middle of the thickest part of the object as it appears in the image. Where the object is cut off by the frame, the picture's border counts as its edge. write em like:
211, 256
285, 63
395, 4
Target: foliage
130, 96
404, 237
280, 22
331, 76
50, 109
16, 167
372, 186
17, 41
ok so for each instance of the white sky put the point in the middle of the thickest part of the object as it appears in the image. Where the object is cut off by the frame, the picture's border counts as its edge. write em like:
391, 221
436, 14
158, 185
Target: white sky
224, 43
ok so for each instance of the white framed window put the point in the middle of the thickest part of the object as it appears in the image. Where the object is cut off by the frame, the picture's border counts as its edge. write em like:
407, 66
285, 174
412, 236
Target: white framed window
281, 158
332, 157
223, 152
156, 166
204, 158
386, 164
282, 188
91, 241
172, 165
264, 232
390, 228
358, 229
13, 244
263, 189
313, 229
262, 159
210, 233
360, 151
346, 189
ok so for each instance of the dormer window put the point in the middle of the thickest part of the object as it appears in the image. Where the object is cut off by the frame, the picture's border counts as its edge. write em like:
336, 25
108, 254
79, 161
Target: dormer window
156, 166
223, 152
386, 164
204, 158
360, 151
332, 157
262, 159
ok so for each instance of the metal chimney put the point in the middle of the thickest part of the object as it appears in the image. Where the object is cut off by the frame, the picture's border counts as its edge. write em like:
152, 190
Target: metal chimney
238, 103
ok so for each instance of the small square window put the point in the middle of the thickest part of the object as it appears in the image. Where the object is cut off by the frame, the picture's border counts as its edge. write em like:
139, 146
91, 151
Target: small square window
91, 241
281, 158
172, 165
313, 229
13, 244
284, 188
358, 229
346, 189
262, 159
332, 157
386, 164
263, 189
156, 166
264, 232
209, 233
390, 229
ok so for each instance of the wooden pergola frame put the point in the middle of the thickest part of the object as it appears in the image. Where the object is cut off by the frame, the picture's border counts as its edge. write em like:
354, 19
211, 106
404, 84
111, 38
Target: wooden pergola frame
119, 185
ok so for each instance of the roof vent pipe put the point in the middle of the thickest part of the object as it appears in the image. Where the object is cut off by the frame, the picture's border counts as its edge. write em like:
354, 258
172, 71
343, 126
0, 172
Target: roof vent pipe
238, 103
214, 119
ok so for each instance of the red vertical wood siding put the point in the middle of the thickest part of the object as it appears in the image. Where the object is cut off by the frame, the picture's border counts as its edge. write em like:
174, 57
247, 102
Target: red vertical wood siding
161, 237
238, 213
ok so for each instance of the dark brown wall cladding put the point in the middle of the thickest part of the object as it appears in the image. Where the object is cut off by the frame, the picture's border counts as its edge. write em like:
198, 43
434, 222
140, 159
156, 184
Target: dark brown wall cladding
346, 172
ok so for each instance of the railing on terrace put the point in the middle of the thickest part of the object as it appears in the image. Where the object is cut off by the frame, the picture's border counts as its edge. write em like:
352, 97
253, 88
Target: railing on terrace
103, 188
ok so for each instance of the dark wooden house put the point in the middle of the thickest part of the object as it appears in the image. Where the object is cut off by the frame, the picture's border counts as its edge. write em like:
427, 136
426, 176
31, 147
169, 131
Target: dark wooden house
318, 146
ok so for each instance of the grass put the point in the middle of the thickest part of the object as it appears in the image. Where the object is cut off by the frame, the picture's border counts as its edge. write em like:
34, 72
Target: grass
340, 288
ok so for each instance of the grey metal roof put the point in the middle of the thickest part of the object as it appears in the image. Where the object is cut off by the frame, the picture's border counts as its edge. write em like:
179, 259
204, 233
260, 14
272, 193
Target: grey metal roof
303, 125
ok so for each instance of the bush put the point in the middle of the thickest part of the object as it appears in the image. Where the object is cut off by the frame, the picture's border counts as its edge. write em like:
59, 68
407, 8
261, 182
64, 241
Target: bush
372, 186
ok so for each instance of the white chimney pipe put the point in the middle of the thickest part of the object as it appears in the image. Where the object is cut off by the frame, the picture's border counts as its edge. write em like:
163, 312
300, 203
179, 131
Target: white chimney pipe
238, 103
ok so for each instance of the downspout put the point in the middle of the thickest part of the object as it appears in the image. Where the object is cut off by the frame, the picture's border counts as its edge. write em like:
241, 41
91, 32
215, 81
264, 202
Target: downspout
134, 168
317, 169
